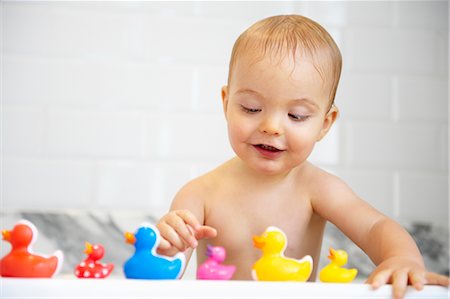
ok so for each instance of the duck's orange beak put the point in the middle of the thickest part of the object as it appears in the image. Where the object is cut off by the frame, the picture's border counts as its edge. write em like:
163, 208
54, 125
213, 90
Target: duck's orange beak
6, 235
332, 254
258, 242
88, 249
130, 238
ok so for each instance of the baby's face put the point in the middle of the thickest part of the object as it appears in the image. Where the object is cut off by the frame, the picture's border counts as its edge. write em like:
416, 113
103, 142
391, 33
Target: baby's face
276, 112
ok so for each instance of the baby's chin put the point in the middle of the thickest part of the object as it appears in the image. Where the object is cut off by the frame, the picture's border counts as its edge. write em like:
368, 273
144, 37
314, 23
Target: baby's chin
270, 168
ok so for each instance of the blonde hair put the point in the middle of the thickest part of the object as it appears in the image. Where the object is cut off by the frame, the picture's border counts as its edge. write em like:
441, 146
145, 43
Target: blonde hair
284, 34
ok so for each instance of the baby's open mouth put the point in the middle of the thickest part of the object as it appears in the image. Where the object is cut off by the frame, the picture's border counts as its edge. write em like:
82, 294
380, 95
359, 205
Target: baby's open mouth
268, 147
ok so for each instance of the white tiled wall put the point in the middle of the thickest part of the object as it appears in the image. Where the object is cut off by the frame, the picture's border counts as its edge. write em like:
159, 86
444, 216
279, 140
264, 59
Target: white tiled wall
116, 105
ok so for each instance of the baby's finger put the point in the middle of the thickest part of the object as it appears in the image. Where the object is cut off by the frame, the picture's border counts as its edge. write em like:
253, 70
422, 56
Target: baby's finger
205, 232
168, 233
381, 278
182, 230
399, 283
437, 279
167, 252
164, 244
189, 218
417, 279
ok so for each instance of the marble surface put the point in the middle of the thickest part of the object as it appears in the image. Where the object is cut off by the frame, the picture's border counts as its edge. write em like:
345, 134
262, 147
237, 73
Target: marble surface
68, 231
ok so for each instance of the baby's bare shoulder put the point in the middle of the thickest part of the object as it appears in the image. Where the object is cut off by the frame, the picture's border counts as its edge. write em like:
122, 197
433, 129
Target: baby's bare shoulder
202, 186
325, 184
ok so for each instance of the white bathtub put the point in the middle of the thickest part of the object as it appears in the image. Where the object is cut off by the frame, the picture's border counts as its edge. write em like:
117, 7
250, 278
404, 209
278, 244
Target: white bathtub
127, 288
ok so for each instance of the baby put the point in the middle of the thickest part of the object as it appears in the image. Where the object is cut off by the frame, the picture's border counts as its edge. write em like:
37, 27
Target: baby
278, 103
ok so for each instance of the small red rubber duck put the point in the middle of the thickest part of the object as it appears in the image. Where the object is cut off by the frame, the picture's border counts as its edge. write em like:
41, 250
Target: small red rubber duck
20, 261
91, 267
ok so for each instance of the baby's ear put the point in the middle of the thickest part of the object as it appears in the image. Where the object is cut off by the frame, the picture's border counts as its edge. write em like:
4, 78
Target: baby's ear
329, 120
225, 99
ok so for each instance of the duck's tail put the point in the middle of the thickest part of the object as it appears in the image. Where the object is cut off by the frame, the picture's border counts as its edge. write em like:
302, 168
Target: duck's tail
59, 261
306, 267
350, 274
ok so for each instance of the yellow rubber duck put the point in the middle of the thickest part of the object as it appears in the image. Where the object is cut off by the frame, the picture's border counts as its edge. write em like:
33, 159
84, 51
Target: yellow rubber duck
333, 272
273, 265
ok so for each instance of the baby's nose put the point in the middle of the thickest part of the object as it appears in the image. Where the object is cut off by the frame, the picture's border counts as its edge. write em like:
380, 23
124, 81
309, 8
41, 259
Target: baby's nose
271, 125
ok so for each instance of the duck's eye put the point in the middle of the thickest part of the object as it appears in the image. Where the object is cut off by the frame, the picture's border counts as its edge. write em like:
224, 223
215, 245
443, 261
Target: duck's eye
250, 110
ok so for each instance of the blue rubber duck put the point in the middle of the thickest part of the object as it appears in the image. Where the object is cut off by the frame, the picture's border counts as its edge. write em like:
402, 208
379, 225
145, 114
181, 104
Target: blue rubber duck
145, 263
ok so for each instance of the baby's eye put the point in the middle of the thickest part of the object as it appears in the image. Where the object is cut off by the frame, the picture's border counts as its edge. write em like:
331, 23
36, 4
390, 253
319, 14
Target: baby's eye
250, 110
298, 117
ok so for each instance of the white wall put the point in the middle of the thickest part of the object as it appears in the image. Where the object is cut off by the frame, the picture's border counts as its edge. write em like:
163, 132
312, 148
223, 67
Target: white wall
116, 105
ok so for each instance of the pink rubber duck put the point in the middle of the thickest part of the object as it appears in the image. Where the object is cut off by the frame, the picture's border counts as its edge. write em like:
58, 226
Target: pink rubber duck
211, 269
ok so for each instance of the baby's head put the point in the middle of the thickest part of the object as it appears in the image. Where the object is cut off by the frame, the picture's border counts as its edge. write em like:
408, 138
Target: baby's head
291, 35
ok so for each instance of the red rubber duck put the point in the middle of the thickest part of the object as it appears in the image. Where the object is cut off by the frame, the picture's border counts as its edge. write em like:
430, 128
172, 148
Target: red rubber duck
91, 267
20, 261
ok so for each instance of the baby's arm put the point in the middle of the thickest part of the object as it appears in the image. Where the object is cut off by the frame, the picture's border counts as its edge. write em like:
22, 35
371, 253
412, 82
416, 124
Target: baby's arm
389, 245
183, 225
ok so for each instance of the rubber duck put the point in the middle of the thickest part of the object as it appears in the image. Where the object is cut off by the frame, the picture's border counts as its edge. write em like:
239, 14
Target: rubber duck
21, 261
333, 272
273, 265
145, 263
211, 269
91, 267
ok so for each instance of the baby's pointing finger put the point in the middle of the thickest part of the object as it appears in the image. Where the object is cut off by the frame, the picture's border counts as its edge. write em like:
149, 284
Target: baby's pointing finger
205, 232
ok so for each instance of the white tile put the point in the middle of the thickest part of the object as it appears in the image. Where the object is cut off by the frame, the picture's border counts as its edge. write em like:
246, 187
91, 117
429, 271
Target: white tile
189, 136
443, 146
50, 81
386, 50
390, 145
370, 13
200, 168
85, 83
146, 85
22, 130
423, 98
46, 183
422, 14
48, 28
243, 10
373, 186
148, 8
190, 41
209, 86
123, 184
442, 52
137, 184
365, 96
327, 151
423, 196
338, 35
326, 13
94, 133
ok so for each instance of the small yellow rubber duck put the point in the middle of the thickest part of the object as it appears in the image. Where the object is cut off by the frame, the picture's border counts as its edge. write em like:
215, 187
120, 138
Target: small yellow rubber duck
333, 271
273, 265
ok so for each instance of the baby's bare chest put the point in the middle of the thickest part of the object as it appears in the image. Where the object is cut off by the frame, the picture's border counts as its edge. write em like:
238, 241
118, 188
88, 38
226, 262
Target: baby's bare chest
238, 219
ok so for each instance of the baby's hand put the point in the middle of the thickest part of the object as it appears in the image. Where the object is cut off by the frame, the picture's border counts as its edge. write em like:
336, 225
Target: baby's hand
180, 230
403, 271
